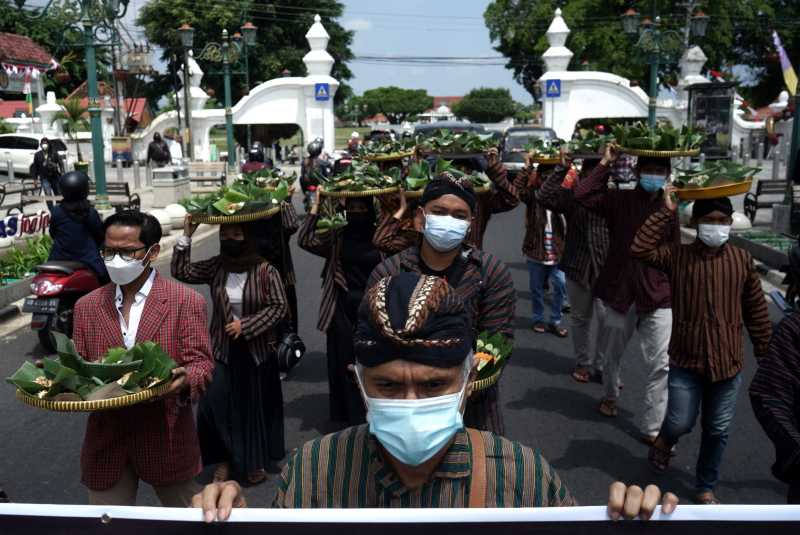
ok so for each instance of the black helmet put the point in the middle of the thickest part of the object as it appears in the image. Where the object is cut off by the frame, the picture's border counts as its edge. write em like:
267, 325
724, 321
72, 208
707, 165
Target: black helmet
256, 153
74, 186
315, 147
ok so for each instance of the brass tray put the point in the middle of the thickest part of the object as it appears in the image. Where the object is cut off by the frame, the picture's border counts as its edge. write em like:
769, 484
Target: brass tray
416, 194
546, 160
714, 192
660, 153
235, 218
92, 406
483, 384
389, 157
357, 194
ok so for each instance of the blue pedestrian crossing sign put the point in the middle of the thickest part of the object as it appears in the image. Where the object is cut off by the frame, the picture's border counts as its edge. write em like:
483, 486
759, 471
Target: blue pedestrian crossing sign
322, 92
553, 88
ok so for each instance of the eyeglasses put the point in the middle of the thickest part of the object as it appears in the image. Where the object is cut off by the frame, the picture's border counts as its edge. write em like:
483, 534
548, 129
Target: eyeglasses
108, 253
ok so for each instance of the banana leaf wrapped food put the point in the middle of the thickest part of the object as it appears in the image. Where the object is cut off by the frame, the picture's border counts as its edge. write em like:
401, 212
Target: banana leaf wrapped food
421, 173
449, 142
661, 141
248, 198
361, 178
719, 178
69, 377
386, 149
492, 352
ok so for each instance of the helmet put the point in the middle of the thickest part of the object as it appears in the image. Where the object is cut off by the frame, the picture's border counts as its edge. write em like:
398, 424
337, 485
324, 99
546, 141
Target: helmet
74, 186
256, 153
315, 147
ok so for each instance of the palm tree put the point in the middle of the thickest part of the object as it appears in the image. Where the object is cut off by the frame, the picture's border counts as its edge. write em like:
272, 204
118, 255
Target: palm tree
72, 117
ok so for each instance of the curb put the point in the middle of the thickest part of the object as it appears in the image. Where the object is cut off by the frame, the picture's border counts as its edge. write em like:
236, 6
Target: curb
772, 276
9, 311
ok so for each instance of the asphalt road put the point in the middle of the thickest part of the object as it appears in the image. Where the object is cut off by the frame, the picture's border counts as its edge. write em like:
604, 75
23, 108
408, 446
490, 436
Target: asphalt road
544, 408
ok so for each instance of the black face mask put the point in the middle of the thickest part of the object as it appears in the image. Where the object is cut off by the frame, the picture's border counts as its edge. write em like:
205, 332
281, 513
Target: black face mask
360, 220
232, 248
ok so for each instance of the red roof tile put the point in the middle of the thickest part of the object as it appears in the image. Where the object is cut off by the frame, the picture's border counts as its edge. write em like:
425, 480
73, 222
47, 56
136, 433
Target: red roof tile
20, 49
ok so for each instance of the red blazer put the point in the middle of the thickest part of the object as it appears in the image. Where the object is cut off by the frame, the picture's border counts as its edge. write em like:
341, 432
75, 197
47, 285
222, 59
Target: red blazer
159, 439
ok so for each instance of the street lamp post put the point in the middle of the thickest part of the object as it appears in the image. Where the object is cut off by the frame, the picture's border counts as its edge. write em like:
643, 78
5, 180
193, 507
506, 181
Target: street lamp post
96, 20
228, 54
187, 40
249, 33
659, 45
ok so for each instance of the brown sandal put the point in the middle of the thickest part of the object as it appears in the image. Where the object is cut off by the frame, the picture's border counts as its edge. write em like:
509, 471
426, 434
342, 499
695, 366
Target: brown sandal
658, 458
257, 476
582, 374
608, 407
706, 498
557, 330
222, 473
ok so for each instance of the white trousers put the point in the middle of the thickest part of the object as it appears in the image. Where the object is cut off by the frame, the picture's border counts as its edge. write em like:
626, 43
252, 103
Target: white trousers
585, 309
654, 329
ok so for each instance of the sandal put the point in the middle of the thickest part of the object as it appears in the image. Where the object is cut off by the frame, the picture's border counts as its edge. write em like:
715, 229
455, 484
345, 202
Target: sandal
706, 498
222, 473
257, 476
608, 407
557, 330
540, 328
658, 458
581, 374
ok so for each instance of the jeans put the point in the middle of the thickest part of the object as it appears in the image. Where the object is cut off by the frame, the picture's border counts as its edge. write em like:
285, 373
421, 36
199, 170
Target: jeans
49, 188
654, 329
538, 273
588, 319
687, 392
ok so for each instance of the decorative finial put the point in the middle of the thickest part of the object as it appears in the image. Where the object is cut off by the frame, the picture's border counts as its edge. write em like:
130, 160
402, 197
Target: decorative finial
558, 12
317, 18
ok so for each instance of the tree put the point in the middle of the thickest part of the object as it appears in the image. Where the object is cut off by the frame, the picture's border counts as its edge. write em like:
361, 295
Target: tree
486, 105
6, 128
73, 119
396, 103
280, 40
738, 34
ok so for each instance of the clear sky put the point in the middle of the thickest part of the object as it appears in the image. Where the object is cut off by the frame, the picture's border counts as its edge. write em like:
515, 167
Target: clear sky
424, 28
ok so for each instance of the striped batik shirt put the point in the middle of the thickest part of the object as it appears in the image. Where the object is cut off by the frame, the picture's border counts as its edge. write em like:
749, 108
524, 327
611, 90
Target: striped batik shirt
775, 395
264, 302
534, 244
348, 470
715, 293
586, 242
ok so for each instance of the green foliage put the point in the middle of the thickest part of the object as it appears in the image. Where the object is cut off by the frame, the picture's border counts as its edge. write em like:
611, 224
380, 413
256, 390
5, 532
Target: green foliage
280, 40
361, 176
714, 173
354, 109
662, 137
73, 120
19, 261
120, 372
396, 103
247, 194
6, 128
449, 142
486, 105
421, 173
739, 33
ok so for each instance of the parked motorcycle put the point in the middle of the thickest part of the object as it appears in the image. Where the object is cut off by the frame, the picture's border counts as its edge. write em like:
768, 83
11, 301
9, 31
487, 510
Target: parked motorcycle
57, 286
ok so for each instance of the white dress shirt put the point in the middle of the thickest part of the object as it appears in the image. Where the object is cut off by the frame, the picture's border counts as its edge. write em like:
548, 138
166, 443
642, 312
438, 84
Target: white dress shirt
129, 331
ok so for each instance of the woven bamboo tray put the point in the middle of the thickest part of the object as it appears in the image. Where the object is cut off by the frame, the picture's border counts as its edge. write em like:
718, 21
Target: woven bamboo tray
271, 189
451, 155
389, 157
92, 406
357, 194
547, 160
660, 153
236, 218
714, 192
416, 194
483, 384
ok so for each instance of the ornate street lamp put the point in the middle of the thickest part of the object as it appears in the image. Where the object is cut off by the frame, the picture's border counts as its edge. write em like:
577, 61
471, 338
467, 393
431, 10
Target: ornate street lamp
630, 21
96, 20
249, 32
699, 24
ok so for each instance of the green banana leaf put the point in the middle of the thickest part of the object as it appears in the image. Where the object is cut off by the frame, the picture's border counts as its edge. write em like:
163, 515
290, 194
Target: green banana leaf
25, 378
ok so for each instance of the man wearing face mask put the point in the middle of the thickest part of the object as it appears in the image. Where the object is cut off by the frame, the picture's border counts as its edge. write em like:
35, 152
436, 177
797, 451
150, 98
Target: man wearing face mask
480, 279
414, 366
47, 167
637, 296
716, 289
153, 442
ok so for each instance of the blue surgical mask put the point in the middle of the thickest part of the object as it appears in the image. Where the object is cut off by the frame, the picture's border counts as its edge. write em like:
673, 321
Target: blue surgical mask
444, 233
414, 430
651, 183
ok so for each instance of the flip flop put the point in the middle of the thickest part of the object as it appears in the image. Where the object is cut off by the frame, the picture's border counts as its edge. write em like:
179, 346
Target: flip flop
540, 328
561, 332
582, 375
608, 407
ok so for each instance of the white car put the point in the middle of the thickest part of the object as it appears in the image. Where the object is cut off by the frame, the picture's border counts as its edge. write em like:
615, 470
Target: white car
20, 148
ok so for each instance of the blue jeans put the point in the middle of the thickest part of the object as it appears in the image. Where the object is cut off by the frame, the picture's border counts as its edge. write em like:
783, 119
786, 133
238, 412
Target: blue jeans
687, 392
538, 274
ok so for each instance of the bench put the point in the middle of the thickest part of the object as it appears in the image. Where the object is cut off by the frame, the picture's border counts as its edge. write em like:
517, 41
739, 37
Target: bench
25, 187
119, 196
771, 188
207, 177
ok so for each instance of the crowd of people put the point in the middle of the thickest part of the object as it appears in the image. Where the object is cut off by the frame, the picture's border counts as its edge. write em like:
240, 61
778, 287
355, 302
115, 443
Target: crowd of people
406, 288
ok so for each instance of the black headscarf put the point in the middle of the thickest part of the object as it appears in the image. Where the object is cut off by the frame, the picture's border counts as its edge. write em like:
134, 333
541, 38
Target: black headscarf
413, 317
448, 184
703, 207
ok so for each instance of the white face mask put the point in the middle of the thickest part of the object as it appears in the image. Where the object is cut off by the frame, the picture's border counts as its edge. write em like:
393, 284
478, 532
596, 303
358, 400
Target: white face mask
713, 235
444, 232
122, 272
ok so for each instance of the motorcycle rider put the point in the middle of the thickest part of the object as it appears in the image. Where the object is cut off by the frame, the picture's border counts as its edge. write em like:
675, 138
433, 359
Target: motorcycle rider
47, 167
311, 169
76, 227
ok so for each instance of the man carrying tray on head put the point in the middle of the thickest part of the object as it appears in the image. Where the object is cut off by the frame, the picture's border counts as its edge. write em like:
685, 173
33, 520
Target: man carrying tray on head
414, 367
155, 442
